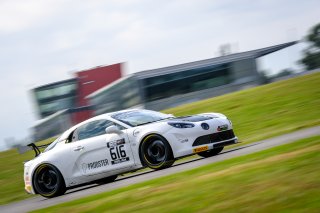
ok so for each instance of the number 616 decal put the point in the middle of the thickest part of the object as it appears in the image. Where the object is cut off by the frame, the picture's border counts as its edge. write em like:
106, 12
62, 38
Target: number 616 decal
117, 151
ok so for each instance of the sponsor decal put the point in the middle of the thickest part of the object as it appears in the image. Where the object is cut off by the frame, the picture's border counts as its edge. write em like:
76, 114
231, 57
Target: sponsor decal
200, 149
116, 143
222, 127
120, 160
84, 168
117, 151
184, 140
94, 165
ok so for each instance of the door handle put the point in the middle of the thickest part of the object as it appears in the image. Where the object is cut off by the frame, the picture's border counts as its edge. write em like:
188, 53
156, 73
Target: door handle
78, 148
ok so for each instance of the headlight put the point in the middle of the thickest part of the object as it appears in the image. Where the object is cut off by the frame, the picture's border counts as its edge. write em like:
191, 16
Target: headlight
181, 125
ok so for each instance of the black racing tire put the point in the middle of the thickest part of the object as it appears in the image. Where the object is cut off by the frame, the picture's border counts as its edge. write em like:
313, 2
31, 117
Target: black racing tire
155, 152
211, 152
48, 181
106, 180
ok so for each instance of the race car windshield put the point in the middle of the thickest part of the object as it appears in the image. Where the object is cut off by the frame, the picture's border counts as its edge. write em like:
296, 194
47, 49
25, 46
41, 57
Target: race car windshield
137, 118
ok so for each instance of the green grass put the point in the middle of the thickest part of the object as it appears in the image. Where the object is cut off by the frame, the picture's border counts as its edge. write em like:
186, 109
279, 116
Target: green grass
282, 179
11, 175
257, 113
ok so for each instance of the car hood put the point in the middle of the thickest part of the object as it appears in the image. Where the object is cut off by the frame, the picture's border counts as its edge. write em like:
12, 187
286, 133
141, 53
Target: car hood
192, 118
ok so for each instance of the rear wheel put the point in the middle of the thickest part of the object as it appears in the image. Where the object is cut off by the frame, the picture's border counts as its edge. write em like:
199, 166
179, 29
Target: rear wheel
211, 152
156, 153
48, 181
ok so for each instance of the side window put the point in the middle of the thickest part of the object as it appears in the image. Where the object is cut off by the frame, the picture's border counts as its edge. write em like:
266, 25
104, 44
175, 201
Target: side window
92, 129
72, 136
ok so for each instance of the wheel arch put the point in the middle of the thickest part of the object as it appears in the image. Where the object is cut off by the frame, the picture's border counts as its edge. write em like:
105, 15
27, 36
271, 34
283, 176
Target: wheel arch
146, 138
35, 169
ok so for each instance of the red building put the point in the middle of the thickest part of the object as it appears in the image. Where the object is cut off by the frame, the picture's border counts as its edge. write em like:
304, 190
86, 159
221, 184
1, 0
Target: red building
93, 79
63, 104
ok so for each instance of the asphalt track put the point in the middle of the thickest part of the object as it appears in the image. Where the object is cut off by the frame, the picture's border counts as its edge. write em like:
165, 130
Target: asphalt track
39, 202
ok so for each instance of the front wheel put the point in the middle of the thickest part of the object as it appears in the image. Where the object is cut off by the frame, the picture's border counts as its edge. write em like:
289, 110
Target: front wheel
156, 153
48, 181
211, 152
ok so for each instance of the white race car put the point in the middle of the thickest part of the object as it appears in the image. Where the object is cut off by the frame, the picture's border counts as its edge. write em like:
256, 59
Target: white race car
101, 148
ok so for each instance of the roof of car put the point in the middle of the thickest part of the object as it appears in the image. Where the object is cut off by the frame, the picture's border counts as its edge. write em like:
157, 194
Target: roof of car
98, 117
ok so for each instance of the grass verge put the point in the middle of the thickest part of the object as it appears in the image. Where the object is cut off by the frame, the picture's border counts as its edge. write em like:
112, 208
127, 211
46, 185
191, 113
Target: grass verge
11, 175
281, 179
257, 113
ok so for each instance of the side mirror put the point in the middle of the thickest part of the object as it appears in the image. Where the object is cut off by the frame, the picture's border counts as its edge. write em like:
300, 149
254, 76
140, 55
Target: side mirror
113, 130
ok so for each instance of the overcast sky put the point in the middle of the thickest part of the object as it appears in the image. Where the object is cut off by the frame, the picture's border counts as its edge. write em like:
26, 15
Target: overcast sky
43, 41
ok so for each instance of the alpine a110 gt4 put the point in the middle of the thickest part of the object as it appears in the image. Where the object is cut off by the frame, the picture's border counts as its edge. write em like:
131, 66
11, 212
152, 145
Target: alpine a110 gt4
101, 148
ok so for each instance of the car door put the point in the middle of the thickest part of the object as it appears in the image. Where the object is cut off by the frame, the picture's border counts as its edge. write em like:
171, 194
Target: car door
92, 151
120, 153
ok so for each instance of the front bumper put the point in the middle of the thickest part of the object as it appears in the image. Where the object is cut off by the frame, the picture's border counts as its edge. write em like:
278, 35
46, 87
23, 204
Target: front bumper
213, 138
194, 149
215, 145
27, 180
185, 141
28, 189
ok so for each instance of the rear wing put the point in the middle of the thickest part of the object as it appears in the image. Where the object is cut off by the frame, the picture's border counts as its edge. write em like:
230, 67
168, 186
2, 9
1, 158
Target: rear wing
24, 148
